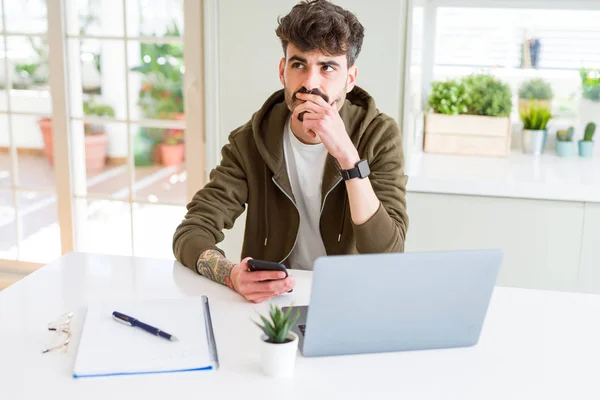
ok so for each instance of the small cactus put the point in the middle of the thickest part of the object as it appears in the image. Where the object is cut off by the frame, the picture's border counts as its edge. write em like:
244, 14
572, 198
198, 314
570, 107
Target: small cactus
590, 129
565, 135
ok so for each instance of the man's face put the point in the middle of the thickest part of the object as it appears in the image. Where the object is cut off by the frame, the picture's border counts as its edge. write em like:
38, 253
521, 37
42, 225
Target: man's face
316, 73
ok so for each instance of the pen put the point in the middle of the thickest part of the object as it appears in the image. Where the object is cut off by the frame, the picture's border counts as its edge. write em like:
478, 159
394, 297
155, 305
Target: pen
127, 320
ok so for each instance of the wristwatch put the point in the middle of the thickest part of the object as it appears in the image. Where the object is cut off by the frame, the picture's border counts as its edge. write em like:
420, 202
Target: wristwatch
361, 170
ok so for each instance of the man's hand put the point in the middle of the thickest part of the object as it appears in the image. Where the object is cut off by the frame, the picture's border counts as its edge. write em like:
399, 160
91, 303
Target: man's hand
259, 286
323, 120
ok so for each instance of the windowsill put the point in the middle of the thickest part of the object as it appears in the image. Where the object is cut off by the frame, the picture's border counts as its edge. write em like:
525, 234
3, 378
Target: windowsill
519, 175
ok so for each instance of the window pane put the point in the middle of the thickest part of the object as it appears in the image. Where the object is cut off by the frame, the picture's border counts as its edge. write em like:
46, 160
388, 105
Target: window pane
99, 158
103, 226
29, 73
36, 155
5, 168
517, 45
568, 39
98, 18
102, 70
155, 18
156, 79
154, 226
160, 174
3, 92
40, 240
8, 228
26, 16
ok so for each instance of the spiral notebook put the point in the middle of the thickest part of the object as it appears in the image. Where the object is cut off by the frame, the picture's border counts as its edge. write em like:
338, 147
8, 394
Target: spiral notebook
109, 348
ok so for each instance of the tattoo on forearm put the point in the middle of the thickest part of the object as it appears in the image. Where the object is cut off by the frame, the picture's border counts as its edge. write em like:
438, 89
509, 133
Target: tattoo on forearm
215, 267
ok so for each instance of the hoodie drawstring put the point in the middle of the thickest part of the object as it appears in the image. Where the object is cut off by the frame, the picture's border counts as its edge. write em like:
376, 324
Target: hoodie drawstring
266, 215
343, 218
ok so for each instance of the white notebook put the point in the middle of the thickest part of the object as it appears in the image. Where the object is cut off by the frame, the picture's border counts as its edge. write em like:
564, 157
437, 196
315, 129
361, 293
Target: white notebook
108, 347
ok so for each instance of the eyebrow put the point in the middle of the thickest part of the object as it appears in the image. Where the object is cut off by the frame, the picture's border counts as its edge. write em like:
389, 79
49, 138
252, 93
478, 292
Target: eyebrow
303, 60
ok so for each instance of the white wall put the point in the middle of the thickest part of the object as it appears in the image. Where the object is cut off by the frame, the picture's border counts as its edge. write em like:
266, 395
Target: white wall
249, 54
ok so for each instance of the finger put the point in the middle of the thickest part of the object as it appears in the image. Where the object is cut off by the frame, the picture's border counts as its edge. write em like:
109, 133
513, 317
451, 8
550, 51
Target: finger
267, 288
312, 125
308, 107
314, 98
257, 276
244, 263
313, 116
259, 299
290, 282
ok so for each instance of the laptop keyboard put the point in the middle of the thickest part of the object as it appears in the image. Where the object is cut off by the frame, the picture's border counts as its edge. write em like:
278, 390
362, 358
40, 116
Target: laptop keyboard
302, 329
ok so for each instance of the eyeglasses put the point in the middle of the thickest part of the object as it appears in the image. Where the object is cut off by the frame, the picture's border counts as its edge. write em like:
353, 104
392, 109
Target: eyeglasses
62, 326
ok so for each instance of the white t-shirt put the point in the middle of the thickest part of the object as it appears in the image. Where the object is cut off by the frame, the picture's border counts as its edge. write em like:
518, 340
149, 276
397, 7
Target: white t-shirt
305, 164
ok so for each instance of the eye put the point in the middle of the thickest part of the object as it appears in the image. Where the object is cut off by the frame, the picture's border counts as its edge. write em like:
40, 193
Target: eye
328, 68
297, 65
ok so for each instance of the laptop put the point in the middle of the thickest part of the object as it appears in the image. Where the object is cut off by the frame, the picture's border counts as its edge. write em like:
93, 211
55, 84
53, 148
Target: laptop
389, 302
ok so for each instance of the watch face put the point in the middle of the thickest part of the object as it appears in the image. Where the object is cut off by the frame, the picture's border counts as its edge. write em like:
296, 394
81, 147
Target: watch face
363, 168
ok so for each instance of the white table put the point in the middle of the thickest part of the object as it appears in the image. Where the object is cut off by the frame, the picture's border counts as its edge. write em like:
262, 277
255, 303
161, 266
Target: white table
534, 345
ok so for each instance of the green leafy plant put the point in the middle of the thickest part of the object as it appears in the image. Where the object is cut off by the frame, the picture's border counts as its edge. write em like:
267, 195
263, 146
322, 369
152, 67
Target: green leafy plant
590, 84
278, 327
565, 135
536, 118
173, 137
588, 134
94, 107
488, 96
161, 94
536, 88
448, 97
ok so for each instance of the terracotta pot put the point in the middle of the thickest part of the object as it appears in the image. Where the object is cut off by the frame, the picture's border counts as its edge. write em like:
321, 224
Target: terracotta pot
95, 151
46, 128
172, 154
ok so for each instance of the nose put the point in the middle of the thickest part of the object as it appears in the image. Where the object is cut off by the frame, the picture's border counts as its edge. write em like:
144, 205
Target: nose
313, 79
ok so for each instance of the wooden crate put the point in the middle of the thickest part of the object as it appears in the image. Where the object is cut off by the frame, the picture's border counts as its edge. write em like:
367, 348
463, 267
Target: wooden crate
467, 135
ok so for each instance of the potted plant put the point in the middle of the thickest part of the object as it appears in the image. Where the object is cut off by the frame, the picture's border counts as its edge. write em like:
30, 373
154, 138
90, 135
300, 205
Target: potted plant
564, 142
172, 149
95, 136
589, 106
586, 145
470, 117
278, 344
535, 120
536, 92
45, 125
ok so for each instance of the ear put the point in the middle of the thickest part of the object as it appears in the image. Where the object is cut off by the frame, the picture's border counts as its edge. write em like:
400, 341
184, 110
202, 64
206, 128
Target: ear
281, 70
352, 74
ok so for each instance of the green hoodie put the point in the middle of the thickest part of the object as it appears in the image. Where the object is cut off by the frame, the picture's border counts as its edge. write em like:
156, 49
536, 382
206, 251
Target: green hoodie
253, 174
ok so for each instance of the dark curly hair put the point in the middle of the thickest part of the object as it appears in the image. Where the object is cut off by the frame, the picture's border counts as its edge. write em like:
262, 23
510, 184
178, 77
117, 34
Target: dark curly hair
321, 25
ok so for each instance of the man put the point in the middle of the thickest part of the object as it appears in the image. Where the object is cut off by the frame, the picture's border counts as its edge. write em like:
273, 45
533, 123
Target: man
301, 165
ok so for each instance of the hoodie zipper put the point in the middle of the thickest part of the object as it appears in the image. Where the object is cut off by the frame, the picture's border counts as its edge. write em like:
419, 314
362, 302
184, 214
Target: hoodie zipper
298, 211
325, 197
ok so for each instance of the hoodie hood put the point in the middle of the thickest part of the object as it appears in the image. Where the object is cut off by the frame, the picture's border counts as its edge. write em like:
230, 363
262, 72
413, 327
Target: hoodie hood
358, 112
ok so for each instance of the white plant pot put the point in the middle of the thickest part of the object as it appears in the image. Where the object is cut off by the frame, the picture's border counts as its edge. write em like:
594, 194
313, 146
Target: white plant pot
279, 359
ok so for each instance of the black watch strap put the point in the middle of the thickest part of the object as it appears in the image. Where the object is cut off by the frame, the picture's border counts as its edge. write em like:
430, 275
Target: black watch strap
361, 170
350, 173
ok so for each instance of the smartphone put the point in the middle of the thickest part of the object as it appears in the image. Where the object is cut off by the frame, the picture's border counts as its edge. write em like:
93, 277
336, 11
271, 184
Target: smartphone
261, 265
